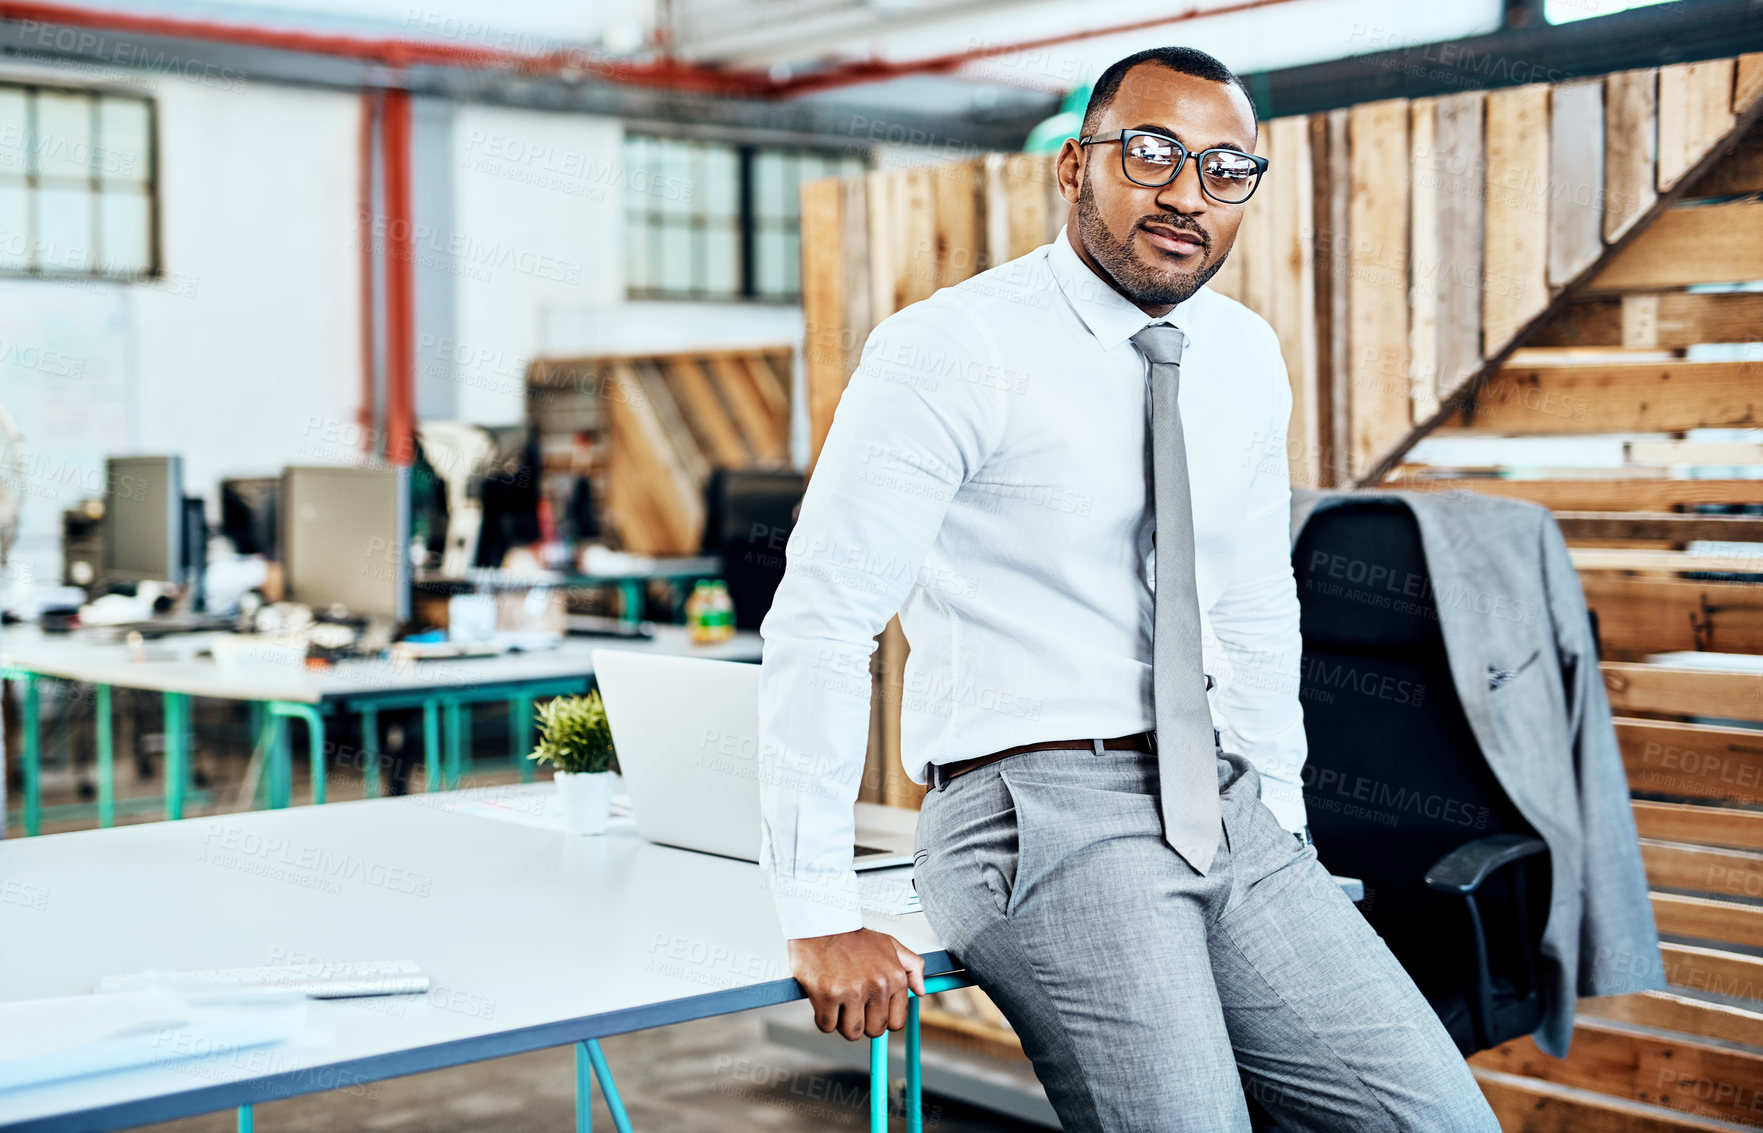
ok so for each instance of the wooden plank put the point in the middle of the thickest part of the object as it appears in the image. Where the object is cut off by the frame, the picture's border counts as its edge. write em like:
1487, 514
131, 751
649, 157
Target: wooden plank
1576, 179
749, 412
773, 390
1663, 561
897, 788
1701, 825
1604, 495
1669, 1011
1714, 970
1737, 173
1622, 397
705, 413
1693, 452
1423, 253
835, 294
1673, 319
1292, 311
1016, 205
1459, 170
1672, 690
666, 477
1703, 918
1695, 111
1380, 405
1335, 231
958, 223
1697, 761
1690, 244
825, 264
1643, 560
1667, 1071
1735, 873
1647, 615
1630, 149
1675, 527
1517, 224
1254, 244
1526, 1105
1747, 82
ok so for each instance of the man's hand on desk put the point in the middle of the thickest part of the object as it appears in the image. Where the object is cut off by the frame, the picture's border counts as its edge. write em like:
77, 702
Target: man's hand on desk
857, 980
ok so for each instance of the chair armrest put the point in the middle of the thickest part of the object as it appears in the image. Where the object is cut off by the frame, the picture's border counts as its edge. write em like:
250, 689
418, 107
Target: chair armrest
1464, 869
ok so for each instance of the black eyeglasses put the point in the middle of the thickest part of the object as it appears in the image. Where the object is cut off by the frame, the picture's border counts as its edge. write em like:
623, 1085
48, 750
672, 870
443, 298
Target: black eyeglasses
1228, 176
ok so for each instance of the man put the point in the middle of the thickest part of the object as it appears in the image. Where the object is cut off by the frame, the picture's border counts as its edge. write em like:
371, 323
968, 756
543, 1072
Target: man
1139, 899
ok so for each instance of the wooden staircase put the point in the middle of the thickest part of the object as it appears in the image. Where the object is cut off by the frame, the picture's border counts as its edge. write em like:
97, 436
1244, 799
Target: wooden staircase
1523, 263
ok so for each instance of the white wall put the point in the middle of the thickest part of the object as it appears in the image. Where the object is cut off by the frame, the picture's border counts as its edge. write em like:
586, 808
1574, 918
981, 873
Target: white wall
250, 338
537, 224
247, 356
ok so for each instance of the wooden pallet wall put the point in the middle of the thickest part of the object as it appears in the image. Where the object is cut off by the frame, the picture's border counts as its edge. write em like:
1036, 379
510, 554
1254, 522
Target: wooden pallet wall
669, 419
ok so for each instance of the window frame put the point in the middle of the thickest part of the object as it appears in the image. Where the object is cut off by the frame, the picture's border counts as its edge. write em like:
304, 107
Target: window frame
32, 180
647, 222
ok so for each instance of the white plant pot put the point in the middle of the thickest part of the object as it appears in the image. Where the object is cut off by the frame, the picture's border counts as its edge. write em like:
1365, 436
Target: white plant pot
587, 799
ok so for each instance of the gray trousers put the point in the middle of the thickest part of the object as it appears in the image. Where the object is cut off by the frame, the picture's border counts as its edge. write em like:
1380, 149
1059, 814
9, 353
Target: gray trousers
1141, 990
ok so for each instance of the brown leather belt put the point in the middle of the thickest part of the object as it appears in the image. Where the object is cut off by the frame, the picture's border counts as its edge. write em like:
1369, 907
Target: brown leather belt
941, 773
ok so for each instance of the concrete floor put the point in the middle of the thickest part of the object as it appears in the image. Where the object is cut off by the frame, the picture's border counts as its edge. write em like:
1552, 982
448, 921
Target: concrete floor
710, 1076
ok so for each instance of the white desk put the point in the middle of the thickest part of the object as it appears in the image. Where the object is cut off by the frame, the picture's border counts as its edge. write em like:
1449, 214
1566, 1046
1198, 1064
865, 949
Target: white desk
78, 657
533, 939
290, 690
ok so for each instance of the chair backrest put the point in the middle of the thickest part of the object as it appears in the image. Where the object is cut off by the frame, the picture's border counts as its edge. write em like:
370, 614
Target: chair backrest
1395, 778
748, 516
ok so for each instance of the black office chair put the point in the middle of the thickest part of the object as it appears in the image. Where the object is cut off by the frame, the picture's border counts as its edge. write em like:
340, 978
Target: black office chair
748, 516
1397, 789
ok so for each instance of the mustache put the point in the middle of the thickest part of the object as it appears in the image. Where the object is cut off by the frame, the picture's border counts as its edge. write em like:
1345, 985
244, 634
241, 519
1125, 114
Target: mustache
1180, 224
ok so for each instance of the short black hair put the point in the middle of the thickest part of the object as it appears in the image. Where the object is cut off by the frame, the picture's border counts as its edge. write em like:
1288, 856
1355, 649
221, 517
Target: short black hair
1183, 60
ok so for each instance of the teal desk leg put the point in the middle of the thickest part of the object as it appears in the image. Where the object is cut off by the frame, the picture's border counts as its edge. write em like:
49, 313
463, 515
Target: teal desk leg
588, 1055
33, 757
247, 1119
878, 1083
520, 714
106, 758
914, 1077
431, 745
284, 710
279, 768
630, 600
370, 751
177, 752
455, 742
878, 1062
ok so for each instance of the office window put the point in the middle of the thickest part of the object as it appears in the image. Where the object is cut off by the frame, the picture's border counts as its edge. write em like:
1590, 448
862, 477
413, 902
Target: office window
77, 183
714, 221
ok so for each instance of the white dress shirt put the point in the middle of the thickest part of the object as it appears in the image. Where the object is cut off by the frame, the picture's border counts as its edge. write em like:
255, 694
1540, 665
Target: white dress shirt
986, 477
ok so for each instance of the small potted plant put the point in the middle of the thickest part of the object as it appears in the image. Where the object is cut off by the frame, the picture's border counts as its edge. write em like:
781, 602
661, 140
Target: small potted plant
575, 738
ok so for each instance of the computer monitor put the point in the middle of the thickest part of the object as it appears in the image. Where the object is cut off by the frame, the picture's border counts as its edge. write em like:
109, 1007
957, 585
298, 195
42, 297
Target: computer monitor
248, 514
144, 519
345, 535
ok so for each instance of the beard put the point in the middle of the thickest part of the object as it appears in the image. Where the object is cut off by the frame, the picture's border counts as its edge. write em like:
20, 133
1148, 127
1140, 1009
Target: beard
1145, 285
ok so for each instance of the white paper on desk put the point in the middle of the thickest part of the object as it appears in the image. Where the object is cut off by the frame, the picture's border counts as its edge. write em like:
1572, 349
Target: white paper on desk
525, 804
47, 1040
888, 891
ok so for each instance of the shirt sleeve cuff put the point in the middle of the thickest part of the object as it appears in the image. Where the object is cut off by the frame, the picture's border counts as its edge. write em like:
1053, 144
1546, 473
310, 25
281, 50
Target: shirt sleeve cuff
817, 906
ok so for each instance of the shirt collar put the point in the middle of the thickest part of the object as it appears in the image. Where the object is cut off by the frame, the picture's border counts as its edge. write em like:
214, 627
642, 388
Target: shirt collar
1108, 314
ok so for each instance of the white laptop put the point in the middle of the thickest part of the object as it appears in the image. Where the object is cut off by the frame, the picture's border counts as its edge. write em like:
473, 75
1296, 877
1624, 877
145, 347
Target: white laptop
687, 733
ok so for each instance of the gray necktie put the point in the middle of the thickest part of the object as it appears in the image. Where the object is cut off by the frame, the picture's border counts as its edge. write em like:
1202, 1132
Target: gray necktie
1186, 748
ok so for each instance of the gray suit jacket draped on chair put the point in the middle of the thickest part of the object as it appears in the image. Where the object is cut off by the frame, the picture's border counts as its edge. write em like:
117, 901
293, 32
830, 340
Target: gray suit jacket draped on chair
1526, 670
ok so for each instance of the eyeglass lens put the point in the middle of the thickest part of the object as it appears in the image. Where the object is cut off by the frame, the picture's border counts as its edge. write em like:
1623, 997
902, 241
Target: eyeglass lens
1227, 176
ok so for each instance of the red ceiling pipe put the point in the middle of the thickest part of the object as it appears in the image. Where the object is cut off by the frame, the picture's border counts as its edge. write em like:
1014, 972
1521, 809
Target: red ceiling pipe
400, 256
364, 261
